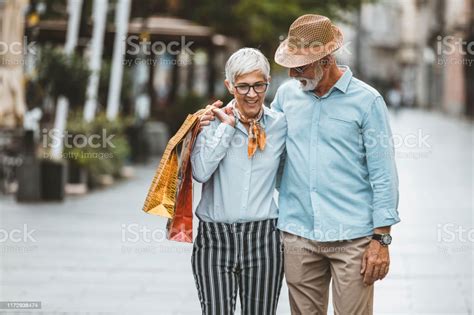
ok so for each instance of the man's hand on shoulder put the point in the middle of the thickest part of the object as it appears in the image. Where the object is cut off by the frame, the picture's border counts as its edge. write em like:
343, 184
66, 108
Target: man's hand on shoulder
209, 114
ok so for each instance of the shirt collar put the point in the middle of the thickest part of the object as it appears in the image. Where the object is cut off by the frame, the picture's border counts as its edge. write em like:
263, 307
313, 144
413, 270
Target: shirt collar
344, 80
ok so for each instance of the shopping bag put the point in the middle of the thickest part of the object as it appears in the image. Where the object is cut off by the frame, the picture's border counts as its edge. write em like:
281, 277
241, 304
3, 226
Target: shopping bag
170, 194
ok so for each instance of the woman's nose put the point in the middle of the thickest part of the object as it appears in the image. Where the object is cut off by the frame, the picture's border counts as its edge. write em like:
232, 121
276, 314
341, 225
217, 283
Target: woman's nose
251, 93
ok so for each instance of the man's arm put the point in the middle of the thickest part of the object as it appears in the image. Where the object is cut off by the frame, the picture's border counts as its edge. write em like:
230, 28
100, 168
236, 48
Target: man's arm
209, 115
383, 177
381, 166
276, 103
376, 259
280, 170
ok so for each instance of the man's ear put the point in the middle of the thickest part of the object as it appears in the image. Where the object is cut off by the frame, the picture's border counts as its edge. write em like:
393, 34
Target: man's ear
229, 87
269, 79
326, 62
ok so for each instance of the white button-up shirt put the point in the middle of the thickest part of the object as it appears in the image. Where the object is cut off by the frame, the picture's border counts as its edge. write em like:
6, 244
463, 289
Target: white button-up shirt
237, 188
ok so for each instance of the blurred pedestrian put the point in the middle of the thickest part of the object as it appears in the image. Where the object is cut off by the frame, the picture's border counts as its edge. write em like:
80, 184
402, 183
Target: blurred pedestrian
394, 97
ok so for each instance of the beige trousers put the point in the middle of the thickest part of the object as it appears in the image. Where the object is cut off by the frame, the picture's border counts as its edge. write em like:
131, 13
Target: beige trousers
310, 266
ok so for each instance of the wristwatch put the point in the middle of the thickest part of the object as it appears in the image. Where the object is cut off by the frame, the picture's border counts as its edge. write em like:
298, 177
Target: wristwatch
384, 239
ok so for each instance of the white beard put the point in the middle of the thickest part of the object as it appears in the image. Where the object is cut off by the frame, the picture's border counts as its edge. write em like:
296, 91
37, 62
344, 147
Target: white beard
311, 84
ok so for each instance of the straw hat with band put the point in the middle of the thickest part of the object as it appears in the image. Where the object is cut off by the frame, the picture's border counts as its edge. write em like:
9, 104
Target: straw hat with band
310, 38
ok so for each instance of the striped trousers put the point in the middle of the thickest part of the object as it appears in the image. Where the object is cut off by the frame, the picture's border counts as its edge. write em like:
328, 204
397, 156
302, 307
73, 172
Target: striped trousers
239, 257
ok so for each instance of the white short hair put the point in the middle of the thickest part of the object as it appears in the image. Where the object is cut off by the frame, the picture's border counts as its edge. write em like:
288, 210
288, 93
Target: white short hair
246, 60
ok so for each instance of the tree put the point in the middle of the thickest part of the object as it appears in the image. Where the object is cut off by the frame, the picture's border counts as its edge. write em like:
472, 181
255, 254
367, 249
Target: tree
256, 23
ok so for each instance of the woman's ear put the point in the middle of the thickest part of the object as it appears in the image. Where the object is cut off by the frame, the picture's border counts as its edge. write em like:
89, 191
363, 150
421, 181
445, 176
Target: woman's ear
229, 87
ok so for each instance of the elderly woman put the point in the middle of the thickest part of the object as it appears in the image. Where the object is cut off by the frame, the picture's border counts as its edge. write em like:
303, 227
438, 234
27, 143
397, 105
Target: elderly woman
236, 157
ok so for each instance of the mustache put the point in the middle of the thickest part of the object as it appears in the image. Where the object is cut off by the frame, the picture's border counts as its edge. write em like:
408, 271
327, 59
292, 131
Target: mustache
300, 78
305, 79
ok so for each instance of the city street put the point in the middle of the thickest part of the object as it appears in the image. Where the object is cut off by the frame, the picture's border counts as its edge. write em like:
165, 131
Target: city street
101, 253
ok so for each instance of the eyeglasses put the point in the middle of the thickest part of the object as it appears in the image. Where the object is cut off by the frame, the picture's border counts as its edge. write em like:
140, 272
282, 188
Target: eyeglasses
302, 68
244, 89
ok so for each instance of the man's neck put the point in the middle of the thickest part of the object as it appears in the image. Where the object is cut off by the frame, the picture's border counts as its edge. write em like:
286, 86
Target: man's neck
334, 74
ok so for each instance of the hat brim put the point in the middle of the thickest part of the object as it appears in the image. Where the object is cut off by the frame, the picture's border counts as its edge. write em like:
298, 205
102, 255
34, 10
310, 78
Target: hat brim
291, 57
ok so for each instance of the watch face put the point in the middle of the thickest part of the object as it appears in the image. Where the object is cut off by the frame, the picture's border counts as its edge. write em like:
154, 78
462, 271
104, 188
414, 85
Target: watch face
386, 239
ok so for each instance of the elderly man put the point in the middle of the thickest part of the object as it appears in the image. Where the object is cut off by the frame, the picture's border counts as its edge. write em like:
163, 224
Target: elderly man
339, 190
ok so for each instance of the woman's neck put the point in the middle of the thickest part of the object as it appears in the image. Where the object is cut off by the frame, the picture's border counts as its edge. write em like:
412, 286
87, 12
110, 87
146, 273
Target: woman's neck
246, 115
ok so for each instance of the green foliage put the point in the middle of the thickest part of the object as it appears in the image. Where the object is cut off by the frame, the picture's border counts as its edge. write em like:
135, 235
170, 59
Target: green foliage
105, 158
256, 23
175, 114
55, 9
62, 75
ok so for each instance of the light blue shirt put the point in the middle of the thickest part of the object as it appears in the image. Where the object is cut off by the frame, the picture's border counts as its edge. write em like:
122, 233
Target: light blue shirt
237, 188
340, 180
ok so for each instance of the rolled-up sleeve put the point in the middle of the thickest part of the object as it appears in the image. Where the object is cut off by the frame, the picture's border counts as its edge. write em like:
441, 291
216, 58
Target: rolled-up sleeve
380, 154
210, 148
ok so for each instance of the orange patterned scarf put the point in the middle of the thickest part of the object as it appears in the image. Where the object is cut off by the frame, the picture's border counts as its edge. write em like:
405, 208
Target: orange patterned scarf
257, 137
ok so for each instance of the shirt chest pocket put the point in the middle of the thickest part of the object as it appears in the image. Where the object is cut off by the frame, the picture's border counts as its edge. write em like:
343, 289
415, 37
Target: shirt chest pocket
342, 128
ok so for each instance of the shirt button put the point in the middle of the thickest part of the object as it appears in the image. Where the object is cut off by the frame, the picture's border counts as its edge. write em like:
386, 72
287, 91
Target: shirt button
315, 190
246, 189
